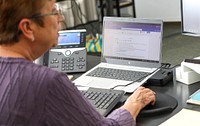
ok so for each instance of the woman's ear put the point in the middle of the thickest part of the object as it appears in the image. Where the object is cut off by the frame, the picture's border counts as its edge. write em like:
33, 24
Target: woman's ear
26, 27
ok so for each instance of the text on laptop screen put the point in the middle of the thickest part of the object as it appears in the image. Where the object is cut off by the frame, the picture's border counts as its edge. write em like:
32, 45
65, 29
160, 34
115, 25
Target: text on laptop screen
132, 40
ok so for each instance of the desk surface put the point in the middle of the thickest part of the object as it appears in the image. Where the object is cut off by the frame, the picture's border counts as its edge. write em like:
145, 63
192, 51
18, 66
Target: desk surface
176, 89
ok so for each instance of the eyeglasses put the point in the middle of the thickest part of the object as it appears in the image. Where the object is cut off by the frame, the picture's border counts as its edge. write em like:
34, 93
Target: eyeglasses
57, 10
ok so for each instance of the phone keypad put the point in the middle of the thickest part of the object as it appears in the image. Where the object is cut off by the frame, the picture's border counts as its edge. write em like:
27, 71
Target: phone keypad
76, 62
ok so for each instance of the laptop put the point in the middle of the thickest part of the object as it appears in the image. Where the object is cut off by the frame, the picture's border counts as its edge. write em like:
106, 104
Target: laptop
129, 44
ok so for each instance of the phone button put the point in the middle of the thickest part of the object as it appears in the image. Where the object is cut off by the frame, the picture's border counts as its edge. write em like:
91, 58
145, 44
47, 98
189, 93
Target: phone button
68, 52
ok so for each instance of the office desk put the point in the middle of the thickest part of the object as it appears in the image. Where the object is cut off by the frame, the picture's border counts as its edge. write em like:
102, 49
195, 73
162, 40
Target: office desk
176, 89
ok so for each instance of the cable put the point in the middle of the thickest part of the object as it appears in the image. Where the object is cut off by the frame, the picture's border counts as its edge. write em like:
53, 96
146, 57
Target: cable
81, 15
60, 3
74, 13
137, 79
68, 8
163, 66
168, 66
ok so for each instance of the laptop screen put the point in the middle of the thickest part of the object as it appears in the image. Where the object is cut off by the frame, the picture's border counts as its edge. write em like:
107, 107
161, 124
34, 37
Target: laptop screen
132, 39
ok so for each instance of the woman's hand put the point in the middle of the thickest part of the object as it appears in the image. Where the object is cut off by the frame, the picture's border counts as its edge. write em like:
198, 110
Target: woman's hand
138, 100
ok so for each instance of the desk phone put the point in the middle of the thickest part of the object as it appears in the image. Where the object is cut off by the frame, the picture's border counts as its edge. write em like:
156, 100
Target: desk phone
70, 54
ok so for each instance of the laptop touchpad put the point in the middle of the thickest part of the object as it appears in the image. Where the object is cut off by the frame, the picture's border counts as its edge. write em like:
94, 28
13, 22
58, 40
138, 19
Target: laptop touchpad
102, 83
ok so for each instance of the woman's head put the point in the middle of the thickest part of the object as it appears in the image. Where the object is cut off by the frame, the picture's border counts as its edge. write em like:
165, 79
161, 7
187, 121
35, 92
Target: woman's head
11, 12
29, 26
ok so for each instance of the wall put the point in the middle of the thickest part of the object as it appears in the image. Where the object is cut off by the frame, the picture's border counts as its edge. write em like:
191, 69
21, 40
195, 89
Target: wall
168, 10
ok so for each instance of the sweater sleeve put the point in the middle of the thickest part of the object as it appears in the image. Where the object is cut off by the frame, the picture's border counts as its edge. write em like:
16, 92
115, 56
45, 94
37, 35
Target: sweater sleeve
66, 106
123, 117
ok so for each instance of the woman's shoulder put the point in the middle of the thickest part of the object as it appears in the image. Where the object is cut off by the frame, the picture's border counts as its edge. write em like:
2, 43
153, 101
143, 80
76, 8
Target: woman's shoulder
30, 72
44, 70
38, 72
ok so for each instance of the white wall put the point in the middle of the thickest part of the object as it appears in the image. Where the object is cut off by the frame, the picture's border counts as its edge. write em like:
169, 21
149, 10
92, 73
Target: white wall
168, 10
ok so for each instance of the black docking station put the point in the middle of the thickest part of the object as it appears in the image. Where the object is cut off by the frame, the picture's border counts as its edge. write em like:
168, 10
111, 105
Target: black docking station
161, 77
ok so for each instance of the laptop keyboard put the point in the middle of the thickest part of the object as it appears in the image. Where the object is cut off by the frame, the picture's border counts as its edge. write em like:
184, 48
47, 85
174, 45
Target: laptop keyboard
117, 74
104, 100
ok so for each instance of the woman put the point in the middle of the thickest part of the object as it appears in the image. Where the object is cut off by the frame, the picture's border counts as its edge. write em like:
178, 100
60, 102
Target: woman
34, 95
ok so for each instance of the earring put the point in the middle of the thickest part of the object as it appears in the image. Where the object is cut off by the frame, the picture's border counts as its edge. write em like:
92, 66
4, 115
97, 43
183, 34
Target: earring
33, 38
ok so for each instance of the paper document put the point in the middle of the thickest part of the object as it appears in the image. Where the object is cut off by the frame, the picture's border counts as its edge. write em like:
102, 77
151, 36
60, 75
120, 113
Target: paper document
70, 76
185, 117
192, 66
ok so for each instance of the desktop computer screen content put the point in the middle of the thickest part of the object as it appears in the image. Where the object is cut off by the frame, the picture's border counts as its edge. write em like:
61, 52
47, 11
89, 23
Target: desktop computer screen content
190, 17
